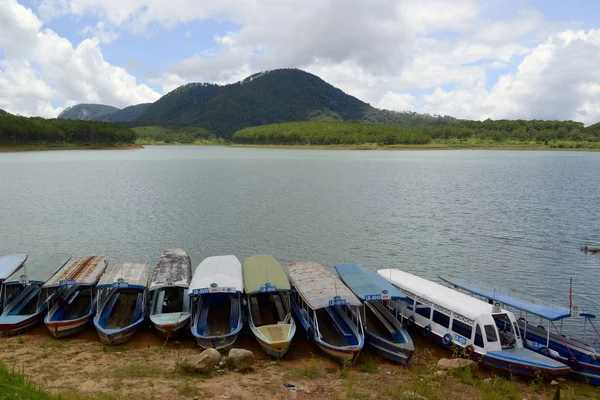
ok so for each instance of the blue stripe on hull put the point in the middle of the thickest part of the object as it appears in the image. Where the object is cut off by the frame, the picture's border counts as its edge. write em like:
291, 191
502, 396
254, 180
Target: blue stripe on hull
393, 352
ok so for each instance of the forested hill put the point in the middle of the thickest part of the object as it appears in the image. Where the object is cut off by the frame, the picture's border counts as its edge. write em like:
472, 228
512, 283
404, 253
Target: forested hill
18, 131
282, 95
87, 112
127, 114
2, 112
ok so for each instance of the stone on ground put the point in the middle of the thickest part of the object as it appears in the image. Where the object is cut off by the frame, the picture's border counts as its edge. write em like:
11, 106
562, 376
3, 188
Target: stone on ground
240, 359
202, 363
408, 395
456, 363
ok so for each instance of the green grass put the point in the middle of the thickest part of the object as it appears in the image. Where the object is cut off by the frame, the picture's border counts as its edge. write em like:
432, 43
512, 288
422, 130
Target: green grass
368, 367
15, 386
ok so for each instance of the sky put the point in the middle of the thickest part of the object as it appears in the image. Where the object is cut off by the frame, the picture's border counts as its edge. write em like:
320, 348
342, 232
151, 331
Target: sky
475, 59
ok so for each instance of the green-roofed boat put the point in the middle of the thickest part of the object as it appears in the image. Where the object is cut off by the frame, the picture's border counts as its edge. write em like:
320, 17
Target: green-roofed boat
267, 291
26, 303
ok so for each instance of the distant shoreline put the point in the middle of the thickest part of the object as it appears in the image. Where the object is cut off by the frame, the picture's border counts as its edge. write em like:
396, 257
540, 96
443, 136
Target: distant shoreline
17, 149
431, 146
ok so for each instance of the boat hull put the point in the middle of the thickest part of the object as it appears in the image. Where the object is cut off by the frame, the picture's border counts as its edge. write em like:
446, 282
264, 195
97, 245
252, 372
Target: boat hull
275, 349
396, 352
60, 329
115, 337
345, 356
168, 325
220, 343
15, 324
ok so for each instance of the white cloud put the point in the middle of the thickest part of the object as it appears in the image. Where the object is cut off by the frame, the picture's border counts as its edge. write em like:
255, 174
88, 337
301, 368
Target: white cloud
101, 31
41, 67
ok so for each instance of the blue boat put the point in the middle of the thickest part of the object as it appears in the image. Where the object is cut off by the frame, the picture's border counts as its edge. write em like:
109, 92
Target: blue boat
327, 310
216, 294
8, 265
582, 357
469, 326
122, 292
383, 331
26, 302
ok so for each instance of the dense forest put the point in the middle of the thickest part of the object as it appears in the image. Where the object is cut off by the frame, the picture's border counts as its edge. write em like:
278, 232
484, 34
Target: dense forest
187, 134
354, 133
16, 130
327, 133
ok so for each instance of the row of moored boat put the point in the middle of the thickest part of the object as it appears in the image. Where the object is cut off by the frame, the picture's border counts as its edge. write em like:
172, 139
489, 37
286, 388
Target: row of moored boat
339, 314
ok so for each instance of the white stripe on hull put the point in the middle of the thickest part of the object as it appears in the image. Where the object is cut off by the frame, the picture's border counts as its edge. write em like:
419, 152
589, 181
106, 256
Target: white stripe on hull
339, 354
68, 329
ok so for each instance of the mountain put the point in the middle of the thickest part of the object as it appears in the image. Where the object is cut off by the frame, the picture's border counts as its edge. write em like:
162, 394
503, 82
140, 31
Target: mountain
283, 95
3, 112
87, 112
127, 114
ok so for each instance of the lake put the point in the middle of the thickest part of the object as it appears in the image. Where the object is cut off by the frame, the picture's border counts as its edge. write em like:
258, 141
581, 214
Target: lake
514, 218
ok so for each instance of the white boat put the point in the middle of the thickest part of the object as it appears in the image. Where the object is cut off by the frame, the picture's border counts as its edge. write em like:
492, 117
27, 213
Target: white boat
169, 284
267, 291
470, 325
8, 265
216, 293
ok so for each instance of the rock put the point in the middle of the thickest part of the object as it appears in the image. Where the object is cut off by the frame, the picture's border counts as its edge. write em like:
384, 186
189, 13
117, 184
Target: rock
456, 363
222, 364
553, 383
240, 359
489, 381
202, 363
408, 395
439, 374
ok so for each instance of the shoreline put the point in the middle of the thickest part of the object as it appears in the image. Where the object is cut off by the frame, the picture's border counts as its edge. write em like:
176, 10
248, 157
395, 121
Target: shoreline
145, 367
433, 146
18, 149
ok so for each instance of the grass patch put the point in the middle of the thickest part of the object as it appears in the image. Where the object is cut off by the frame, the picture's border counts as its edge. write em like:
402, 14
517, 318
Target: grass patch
189, 390
15, 386
368, 367
312, 371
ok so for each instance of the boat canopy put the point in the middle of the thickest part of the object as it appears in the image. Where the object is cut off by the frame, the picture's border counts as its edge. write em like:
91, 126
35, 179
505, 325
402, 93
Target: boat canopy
318, 287
173, 268
264, 274
125, 275
217, 274
38, 269
513, 298
10, 263
436, 295
80, 271
366, 284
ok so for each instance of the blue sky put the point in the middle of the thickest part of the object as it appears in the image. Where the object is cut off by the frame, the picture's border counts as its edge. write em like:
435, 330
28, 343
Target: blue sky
468, 58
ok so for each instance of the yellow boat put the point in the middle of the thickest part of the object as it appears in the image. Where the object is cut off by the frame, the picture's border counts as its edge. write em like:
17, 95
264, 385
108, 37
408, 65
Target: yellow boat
267, 291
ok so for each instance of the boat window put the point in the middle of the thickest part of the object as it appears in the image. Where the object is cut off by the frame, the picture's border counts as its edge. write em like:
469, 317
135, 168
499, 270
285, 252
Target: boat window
423, 310
461, 328
505, 329
440, 318
409, 303
490, 333
478, 337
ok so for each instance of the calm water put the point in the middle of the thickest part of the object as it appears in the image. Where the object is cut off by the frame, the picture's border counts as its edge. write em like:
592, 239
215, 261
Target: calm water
515, 218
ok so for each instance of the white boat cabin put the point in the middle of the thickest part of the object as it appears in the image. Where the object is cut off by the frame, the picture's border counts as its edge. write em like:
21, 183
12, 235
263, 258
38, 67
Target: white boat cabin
453, 316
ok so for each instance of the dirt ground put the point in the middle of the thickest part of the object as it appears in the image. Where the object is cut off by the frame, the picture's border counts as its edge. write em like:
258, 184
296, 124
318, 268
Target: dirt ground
81, 367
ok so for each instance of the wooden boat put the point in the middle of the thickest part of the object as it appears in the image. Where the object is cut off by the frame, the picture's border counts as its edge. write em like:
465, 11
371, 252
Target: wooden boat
470, 326
216, 292
578, 353
328, 311
267, 291
169, 283
383, 332
8, 265
122, 292
26, 302
75, 305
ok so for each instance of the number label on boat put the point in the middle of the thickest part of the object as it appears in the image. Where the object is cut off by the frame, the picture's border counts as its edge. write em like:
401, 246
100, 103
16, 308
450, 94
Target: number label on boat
219, 289
120, 285
200, 291
460, 339
268, 288
338, 302
169, 281
23, 280
382, 296
67, 282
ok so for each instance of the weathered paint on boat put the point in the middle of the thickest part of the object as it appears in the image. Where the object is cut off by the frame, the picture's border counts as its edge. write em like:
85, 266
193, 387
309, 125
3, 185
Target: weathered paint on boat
168, 324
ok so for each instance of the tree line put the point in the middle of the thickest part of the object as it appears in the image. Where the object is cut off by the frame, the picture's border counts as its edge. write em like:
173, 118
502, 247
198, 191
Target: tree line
17, 130
327, 133
323, 132
185, 134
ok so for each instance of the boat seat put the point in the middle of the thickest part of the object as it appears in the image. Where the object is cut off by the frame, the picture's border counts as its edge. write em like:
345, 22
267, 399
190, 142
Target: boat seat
336, 322
255, 311
381, 318
234, 316
279, 306
29, 294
